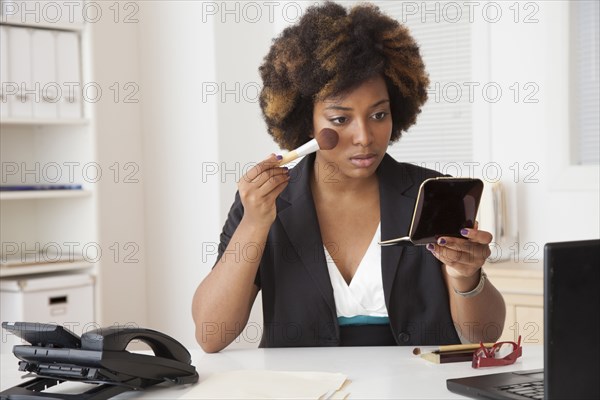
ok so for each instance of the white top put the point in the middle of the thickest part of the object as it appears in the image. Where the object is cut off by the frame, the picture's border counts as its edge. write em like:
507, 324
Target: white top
364, 295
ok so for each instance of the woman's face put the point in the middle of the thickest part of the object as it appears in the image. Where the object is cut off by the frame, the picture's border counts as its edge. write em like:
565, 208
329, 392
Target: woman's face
363, 121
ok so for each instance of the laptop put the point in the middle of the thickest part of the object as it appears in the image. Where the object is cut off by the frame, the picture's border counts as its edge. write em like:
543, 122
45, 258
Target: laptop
571, 334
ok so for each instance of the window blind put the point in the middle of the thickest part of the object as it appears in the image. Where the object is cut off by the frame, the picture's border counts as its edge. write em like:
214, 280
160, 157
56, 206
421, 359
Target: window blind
586, 81
442, 134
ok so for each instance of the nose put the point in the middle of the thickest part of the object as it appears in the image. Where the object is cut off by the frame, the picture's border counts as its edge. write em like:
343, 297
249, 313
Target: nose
362, 134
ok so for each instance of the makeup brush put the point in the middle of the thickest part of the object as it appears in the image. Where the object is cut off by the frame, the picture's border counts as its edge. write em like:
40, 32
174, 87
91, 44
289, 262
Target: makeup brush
326, 139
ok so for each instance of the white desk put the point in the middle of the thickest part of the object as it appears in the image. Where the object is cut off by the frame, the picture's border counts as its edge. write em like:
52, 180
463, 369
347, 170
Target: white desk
375, 372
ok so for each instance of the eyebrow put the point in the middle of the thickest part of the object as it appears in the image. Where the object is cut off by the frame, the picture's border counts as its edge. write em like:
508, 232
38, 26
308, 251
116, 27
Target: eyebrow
336, 107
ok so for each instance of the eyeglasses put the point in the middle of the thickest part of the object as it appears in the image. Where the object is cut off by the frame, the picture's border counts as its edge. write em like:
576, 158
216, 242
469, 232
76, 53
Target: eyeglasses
501, 353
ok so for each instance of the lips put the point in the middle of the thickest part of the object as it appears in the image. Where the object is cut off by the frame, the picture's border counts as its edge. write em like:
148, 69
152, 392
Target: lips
363, 160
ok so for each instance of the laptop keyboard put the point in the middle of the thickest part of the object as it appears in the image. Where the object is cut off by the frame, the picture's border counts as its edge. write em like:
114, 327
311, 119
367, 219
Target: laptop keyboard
531, 390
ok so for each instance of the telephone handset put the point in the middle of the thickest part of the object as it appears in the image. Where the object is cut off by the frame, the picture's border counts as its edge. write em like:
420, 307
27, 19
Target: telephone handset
99, 357
117, 339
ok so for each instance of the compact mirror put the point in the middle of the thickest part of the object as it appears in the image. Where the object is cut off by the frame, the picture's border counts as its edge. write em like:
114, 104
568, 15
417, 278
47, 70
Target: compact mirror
444, 206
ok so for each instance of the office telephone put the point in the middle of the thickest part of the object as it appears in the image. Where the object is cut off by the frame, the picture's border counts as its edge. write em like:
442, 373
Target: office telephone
99, 356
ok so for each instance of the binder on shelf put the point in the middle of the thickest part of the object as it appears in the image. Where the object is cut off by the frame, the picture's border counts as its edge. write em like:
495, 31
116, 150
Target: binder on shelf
19, 72
3, 70
68, 70
43, 64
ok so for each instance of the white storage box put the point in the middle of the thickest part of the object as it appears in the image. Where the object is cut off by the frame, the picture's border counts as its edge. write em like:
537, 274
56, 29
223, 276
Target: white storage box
67, 300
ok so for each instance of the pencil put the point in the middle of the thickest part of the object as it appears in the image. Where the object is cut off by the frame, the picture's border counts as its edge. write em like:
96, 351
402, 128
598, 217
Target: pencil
454, 347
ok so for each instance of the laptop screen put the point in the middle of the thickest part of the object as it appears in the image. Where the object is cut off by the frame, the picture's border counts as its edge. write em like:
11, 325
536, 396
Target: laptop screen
571, 319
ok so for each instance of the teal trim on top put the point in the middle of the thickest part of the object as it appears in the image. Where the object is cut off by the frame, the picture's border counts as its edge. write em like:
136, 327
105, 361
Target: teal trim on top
363, 320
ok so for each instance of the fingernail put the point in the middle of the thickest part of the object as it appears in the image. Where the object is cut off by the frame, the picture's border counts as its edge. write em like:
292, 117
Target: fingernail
285, 168
464, 232
442, 241
279, 156
430, 246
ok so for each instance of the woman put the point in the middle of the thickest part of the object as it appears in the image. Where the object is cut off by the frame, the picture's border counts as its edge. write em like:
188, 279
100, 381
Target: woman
307, 237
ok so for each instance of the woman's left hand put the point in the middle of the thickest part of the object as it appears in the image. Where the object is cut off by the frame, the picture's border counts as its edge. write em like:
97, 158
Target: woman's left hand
463, 257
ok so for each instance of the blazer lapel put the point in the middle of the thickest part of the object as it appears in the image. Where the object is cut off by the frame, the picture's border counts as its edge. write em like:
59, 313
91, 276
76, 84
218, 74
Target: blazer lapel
396, 214
298, 217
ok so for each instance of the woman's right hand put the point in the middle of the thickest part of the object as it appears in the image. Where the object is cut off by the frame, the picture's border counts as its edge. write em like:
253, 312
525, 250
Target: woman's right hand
259, 188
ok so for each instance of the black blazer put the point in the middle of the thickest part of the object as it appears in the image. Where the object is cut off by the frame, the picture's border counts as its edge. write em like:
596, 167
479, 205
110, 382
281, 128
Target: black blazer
298, 302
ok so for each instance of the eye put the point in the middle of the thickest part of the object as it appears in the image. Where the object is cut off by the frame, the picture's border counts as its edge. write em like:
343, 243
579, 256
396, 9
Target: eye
338, 120
380, 115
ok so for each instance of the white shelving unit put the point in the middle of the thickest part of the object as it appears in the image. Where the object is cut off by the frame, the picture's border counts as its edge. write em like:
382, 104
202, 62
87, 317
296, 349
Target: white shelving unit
45, 139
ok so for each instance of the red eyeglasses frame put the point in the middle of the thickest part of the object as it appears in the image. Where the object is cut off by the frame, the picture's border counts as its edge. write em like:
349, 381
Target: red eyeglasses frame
486, 356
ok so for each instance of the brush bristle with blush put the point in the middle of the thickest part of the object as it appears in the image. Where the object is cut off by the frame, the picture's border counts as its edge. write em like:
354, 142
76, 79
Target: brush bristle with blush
327, 139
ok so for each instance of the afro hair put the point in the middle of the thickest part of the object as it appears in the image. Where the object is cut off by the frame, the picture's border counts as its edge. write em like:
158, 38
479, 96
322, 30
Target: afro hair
330, 51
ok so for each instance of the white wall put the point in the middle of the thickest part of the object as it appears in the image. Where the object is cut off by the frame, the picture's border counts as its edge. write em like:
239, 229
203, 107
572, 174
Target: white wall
179, 134
116, 59
170, 213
